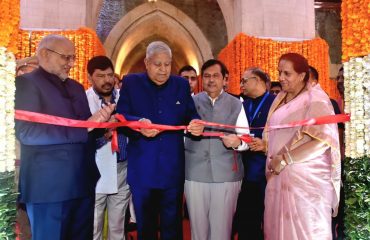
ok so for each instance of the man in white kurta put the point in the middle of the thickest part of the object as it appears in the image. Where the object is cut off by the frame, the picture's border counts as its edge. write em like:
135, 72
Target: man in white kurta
112, 190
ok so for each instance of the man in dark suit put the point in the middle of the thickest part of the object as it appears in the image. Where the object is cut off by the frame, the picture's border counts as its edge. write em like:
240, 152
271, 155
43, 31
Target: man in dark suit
250, 207
58, 173
156, 159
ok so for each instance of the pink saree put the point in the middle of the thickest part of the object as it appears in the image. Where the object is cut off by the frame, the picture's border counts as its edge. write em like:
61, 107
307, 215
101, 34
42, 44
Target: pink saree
299, 202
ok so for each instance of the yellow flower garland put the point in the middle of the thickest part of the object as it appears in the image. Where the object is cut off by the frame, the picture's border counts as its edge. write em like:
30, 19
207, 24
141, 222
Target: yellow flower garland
86, 42
355, 28
9, 22
246, 51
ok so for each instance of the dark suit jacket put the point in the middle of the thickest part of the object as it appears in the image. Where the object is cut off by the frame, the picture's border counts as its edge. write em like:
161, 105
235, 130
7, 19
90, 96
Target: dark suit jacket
255, 162
56, 163
156, 162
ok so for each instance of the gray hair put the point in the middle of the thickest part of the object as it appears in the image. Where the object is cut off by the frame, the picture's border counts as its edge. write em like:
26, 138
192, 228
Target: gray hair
157, 47
49, 40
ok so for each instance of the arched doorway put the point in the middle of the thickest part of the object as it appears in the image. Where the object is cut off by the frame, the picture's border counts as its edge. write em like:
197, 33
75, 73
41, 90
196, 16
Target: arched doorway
127, 41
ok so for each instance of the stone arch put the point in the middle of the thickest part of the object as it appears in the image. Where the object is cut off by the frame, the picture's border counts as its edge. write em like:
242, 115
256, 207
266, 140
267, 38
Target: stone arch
227, 9
158, 20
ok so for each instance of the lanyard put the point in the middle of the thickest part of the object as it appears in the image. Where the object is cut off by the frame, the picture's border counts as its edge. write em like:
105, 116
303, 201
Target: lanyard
251, 117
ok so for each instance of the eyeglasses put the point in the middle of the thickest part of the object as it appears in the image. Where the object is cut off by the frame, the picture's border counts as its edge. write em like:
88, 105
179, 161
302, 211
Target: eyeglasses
245, 80
67, 58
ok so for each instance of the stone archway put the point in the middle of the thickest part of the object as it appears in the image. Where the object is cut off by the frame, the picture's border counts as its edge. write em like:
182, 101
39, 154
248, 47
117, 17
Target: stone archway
158, 20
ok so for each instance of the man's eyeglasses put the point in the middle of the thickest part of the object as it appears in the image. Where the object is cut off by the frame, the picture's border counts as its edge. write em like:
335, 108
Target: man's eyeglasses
67, 58
245, 80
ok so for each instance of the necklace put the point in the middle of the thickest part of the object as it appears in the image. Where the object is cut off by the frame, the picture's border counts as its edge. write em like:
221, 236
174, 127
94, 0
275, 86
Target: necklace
300, 91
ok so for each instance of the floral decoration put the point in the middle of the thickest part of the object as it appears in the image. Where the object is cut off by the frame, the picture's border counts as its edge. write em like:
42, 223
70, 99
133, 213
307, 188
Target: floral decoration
86, 42
7, 91
9, 22
357, 103
355, 28
246, 51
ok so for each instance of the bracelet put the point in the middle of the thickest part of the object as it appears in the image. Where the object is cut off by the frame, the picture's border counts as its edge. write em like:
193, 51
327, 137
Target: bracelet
288, 160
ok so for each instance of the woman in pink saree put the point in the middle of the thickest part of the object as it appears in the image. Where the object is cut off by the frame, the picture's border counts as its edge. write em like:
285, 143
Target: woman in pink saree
303, 163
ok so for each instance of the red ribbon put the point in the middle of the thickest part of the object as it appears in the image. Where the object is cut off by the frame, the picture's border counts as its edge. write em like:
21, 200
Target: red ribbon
137, 125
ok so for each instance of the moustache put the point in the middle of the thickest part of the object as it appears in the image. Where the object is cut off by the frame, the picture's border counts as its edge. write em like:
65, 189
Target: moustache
107, 85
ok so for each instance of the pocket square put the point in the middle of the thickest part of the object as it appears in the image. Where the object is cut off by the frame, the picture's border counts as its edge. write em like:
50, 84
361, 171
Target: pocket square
178, 102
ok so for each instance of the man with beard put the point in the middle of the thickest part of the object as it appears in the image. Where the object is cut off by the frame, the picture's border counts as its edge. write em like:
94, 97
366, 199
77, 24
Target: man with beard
58, 173
112, 190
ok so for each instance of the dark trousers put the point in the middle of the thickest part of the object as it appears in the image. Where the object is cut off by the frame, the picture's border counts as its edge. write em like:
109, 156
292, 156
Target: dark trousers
249, 211
67, 220
158, 205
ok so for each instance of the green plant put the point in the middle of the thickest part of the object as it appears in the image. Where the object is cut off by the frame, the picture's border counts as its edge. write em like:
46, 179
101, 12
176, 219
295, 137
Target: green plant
7, 205
357, 202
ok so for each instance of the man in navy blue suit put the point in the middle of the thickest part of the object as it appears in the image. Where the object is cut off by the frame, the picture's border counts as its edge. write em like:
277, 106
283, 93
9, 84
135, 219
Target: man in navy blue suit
58, 173
250, 207
156, 159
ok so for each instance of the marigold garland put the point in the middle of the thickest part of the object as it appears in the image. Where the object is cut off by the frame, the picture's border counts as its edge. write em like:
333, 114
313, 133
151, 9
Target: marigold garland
9, 22
246, 51
86, 42
355, 28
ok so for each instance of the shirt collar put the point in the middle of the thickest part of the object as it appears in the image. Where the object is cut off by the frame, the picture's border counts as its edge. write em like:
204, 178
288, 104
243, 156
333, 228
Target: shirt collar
112, 99
213, 100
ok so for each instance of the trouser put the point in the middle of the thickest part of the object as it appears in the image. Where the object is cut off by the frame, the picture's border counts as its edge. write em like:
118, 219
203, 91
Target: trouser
249, 211
151, 205
211, 208
67, 220
116, 205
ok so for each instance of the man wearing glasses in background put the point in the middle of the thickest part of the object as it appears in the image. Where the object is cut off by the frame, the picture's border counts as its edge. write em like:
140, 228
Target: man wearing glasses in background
58, 173
189, 73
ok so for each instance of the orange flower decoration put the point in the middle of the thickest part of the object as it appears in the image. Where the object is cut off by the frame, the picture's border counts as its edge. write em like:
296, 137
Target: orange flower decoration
86, 42
246, 51
355, 28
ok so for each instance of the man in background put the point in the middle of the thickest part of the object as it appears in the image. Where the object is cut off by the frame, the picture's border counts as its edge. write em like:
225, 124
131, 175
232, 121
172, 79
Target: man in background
112, 190
275, 88
189, 73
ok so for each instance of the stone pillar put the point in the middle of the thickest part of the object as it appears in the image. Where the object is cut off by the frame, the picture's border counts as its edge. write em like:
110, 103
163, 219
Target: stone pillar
277, 19
53, 14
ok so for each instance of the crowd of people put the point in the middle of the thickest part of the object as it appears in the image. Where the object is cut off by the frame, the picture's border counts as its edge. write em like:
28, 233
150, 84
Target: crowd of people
282, 184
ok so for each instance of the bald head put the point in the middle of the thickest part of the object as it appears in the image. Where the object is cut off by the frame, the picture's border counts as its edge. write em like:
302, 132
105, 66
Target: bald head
56, 55
51, 40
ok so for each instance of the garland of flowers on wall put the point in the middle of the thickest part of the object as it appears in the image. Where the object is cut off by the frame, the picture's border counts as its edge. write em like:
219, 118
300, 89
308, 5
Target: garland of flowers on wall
355, 47
357, 143
246, 51
7, 91
357, 102
86, 42
9, 22
7, 144
355, 28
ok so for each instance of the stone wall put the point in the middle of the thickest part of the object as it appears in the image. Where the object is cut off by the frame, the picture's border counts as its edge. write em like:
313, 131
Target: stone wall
206, 14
